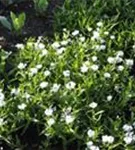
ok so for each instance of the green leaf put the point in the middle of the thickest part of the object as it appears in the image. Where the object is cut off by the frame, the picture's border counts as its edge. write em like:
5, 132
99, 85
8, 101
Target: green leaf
22, 18
4, 21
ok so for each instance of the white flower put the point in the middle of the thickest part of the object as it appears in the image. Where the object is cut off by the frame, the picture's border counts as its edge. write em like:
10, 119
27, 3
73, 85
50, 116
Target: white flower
127, 128
84, 69
93, 147
107, 139
39, 66
19, 46
99, 24
93, 105
50, 121
2, 97
120, 68
109, 97
118, 59
102, 47
41, 46
129, 62
15, 91
128, 139
26, 95
56, 45
60, 50
82, 38
94, 58
70, 85
66, 73
94, 67
44, 52
1, 121
69, 119
89, 144
89, 29
43, 85
55, 87
112, 37
22, 106
106, 33
21, 66
111, 60
76, 32
47, 73
90, 133
2, 103
49, 112
96, 35
107, 75
120, 54
64, 43
33, 71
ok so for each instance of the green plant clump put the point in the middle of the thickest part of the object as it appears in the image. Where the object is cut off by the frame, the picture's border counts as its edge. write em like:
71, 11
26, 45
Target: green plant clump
17, 22
78, 88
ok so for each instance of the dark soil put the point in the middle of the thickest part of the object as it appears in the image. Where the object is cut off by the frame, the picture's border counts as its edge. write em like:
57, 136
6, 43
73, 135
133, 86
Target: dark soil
35, 25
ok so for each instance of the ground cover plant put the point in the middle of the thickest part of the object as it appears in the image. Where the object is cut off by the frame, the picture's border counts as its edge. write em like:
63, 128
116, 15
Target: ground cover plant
75, 89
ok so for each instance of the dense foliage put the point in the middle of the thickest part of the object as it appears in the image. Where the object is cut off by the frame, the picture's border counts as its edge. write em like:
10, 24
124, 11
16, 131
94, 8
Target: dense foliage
77, 87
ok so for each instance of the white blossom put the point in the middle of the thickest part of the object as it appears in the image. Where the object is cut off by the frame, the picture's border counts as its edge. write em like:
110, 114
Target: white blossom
43, 85
96, 35
89, 144
111, 60
107, 75
70, 85
19, 46
99, 24
120, 68
69, 119
75, 33
107, 139
15, 91
55, 87
127, 128
1, 121
49, 112
66, 73
94, 67
44, 52
82, 38
47, 73
128, 139
21, 66
93, 105
64, 43
94, 58
56, 45
39, 66
22, 106
84, 69
112, 37
90, 133
109, 97
93, 147
50, 121
2, 96
120, 54
33, 71
129, 62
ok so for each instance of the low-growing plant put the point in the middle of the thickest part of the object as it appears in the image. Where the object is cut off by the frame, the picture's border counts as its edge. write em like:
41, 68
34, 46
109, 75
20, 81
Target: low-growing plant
41, 6
16, 24
78, 88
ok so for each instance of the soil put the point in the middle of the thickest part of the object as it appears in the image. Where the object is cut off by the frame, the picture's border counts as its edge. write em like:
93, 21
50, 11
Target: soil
35, 25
